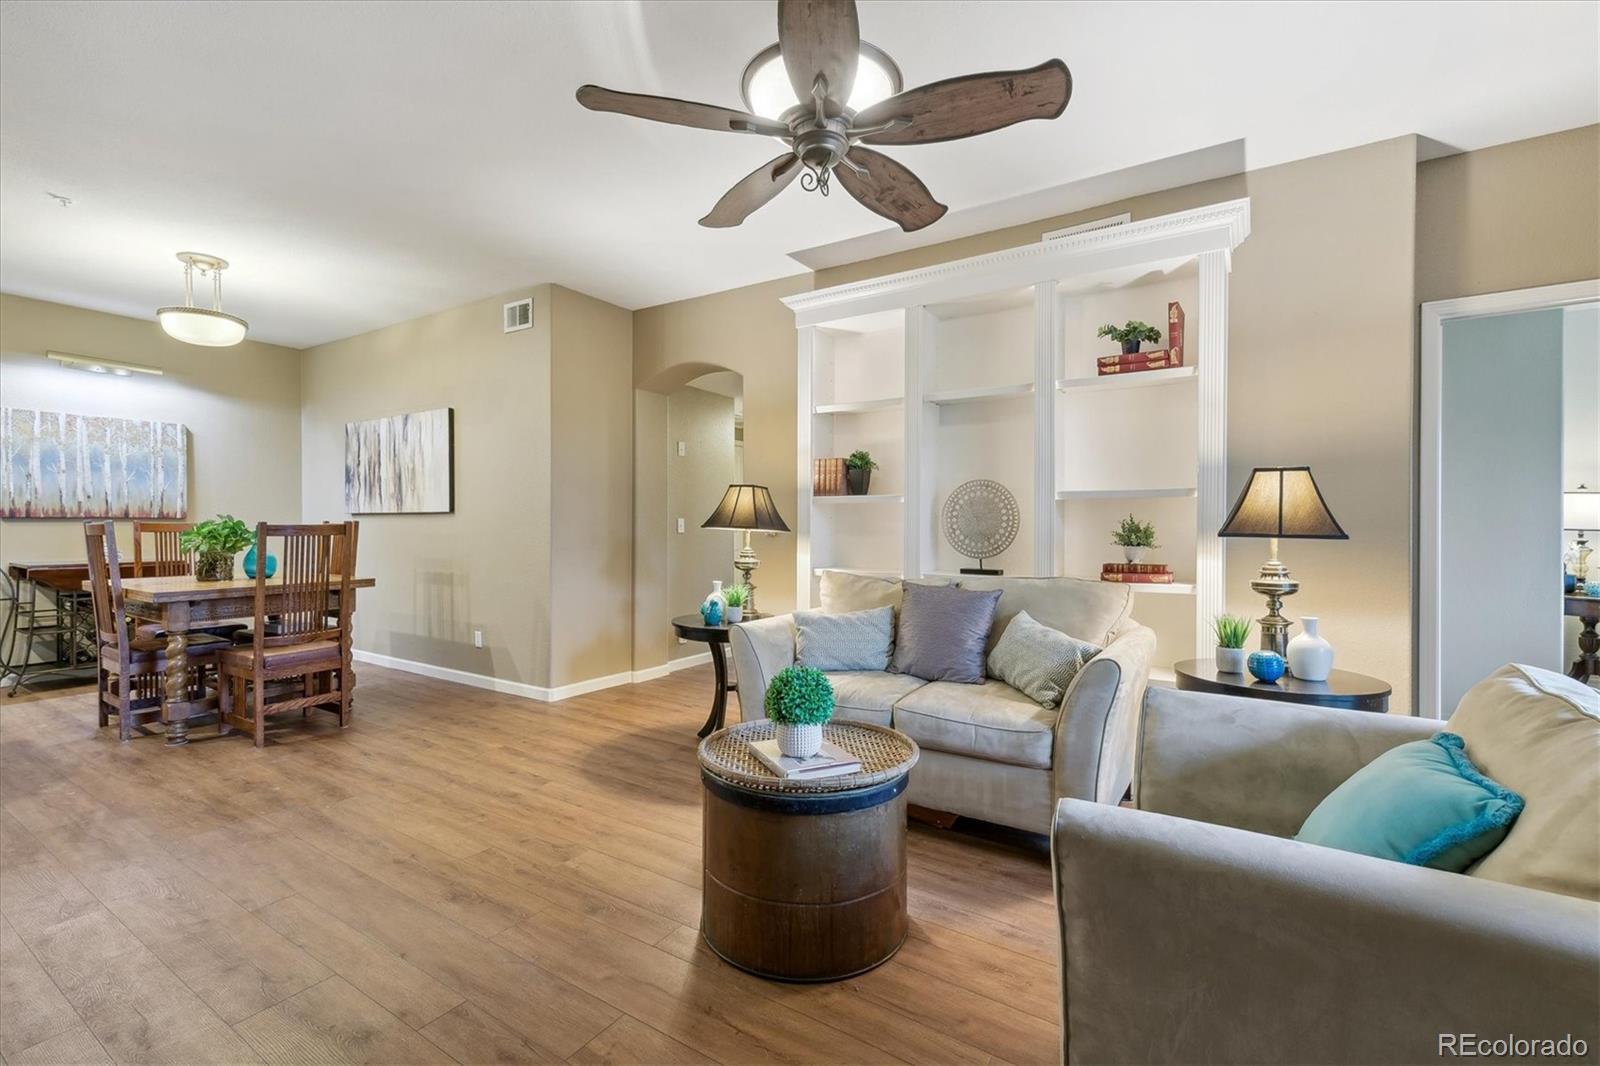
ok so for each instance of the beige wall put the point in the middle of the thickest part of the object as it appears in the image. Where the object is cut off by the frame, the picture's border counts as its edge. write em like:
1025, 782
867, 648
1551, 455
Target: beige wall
652, 533
696, 481
241, 405
487, 566
591, 510
1510, 217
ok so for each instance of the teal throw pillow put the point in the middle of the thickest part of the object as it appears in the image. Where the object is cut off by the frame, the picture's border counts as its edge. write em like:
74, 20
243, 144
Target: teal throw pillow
1422, 803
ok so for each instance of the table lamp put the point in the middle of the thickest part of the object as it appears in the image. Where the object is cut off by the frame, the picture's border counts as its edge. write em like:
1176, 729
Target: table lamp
745, 508
1280, 501
1580, 512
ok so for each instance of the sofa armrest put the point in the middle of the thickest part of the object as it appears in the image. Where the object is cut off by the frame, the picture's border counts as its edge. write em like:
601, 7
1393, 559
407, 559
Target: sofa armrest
761, 647
1254, 764
1188, 942
1094, 742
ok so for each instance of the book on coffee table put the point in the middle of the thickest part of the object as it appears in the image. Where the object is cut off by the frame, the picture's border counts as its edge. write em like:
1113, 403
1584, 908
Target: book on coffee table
831, 761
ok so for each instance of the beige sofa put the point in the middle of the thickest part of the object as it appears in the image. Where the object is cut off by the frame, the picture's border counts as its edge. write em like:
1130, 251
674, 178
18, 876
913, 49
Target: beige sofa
988, 751
1193, 931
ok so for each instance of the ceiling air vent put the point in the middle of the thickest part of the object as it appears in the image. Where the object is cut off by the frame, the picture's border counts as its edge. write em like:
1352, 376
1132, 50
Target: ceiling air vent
519, 315
1085, 227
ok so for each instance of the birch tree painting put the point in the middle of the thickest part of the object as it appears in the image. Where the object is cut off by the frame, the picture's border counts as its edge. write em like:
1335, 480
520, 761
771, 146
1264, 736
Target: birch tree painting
400, 465
55, 465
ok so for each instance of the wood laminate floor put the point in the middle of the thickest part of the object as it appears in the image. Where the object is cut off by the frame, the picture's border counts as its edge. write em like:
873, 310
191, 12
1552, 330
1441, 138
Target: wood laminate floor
460, 876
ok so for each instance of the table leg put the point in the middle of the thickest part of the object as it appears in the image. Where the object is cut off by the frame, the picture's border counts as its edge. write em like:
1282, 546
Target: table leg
719, 702
177, 687
1588, 664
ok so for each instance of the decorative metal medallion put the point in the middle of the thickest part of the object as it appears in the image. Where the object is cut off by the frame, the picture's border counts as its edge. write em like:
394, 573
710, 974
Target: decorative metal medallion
980, 519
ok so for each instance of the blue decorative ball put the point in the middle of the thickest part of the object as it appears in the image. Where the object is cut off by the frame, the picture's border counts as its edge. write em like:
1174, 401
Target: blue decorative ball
1266, 666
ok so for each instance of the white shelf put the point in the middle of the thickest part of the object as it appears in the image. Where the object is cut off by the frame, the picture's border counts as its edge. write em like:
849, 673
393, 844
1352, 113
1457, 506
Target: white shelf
1140, 379
872, 497
989, 392
1124, 494
1176, 588
858, 573
858, 406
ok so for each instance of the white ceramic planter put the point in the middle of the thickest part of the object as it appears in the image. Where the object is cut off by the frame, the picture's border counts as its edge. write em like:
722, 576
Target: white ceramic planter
1310, 657
1232, 660
733, 615
1132, 554
798, 741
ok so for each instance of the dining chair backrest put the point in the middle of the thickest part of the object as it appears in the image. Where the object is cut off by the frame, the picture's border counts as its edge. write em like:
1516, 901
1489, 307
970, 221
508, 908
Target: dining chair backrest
169, 560
314, 561
105, 586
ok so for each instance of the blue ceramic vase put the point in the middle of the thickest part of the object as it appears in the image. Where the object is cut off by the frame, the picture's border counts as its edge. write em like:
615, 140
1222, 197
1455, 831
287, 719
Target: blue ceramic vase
250, 564
1266, 666
711, 612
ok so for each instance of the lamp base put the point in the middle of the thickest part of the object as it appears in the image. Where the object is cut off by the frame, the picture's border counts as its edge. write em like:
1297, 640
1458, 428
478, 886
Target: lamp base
1275, 583
746, 562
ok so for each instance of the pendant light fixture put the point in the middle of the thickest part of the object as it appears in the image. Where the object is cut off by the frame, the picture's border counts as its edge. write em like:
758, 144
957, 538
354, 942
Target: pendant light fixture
212, 327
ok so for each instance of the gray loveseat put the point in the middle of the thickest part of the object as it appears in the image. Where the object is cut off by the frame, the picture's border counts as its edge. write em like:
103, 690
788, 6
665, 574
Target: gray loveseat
988, 751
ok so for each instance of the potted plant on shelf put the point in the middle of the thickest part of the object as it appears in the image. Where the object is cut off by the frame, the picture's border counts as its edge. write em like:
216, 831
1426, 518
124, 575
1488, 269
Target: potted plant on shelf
1134, 538
735, 610
799, 702
214, 543
1130, 335
858, 472
1232, 631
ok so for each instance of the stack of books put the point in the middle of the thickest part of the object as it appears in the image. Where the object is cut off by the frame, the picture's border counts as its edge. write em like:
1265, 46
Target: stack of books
827, 477
1137, 573
831, 761
1161, 359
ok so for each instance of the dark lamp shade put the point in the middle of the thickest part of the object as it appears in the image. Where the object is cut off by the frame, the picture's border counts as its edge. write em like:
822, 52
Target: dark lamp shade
1282, 501
746, 507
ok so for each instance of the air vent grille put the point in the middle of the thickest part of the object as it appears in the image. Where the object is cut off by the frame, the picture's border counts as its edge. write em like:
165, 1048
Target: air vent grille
519, 315
1086, 227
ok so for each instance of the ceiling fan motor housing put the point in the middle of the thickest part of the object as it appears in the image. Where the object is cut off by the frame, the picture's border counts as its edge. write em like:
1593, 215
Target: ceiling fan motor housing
821, 144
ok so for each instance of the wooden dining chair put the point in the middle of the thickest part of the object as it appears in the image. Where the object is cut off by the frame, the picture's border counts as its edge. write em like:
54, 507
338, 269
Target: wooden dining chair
132, 669
168, 559
306, 644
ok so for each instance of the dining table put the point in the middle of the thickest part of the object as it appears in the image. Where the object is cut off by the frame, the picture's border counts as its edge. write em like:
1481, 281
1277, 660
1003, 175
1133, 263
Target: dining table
182, 603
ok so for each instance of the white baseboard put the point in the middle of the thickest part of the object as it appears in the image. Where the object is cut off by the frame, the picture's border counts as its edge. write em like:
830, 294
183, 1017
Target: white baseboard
526, 691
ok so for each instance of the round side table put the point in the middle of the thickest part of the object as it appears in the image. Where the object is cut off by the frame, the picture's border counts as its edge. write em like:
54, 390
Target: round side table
805, 881
693, 627
1353, 692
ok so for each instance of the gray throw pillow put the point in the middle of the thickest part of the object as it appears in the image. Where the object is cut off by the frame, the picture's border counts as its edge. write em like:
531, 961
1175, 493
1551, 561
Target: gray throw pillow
858, 640
943, 630
1038, 661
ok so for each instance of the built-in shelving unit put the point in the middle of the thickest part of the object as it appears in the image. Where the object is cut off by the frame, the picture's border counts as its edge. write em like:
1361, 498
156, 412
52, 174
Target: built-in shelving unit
986, 368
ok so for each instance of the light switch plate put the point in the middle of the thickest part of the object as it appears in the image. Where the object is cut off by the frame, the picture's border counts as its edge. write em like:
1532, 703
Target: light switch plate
680, 525
682, 451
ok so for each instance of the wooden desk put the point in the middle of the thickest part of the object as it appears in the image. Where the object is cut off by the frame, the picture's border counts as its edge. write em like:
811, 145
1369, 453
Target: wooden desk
178, 604
62, 577
1587, 610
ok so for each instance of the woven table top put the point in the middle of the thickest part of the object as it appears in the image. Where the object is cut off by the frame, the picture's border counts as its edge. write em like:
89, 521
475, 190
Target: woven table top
885, 754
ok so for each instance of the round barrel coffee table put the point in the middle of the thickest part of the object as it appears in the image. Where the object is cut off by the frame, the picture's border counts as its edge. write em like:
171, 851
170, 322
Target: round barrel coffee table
805, 881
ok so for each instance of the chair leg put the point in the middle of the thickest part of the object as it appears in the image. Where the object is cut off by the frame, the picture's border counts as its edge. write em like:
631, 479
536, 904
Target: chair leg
124, 710
224, 703
101, 680
343, 681
308, 688
259, 704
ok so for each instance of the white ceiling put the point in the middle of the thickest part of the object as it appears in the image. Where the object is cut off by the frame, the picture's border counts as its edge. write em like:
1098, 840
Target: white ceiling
365, 163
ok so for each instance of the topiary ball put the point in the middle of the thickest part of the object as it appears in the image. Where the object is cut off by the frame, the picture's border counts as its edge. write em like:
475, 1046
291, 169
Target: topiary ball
800, 695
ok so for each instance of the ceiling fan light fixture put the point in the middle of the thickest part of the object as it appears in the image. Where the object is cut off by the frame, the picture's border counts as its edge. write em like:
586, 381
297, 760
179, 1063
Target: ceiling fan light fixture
766, 90
210, 327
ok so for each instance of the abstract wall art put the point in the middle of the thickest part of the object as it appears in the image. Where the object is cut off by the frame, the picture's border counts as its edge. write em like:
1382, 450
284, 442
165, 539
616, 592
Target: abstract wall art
55, 465
403, 464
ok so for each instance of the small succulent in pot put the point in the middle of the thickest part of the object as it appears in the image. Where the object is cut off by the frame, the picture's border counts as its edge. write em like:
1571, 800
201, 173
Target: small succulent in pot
214, 543
1232, 631
799, 702
1130, 335
1134, 538
858, 470
736, 596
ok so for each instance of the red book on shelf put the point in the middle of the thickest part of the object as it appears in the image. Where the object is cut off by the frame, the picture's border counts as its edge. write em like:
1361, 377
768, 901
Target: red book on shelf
1175, 332
1145, 361
1137, 579
1135, 568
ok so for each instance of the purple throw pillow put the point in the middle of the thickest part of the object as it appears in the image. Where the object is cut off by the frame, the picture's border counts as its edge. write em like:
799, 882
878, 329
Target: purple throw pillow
943, 631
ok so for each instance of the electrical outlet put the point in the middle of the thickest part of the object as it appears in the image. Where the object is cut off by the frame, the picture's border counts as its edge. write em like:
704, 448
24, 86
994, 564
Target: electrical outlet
477, 638
682, 641
680, 525
682, 450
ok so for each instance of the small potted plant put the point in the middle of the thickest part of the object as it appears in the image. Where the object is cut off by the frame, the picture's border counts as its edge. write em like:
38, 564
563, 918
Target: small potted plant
1130, 335
799, 701
735, 596
1134, 538
214, 544
1232, 631
858, 472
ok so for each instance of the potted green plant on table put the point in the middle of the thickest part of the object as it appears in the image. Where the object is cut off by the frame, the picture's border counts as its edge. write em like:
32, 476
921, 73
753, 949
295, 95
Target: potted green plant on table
799, 702
858, 470
1130, 335
1232, 631
735, 595
214, 543
1134, 538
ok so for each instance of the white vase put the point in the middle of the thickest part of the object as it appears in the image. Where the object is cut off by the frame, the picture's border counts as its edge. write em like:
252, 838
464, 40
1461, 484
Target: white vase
1133, 554
1232, 660
733, 615
1310, 657
798, 741
717, 594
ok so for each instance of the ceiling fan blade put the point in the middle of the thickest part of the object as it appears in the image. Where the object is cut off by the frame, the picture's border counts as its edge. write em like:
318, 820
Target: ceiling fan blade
820, 37
678, 112
971, 104
889, 189
753, 191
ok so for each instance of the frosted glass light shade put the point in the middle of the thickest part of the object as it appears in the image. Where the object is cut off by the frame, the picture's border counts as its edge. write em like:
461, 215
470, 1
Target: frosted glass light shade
767, 91
199, 325
1580, 510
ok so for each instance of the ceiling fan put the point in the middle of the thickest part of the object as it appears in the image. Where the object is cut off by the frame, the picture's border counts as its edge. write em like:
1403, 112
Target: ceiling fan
828, 94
